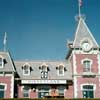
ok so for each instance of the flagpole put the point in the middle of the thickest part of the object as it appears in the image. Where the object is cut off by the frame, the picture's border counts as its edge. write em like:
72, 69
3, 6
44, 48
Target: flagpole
4, 48
4, 41
79, 8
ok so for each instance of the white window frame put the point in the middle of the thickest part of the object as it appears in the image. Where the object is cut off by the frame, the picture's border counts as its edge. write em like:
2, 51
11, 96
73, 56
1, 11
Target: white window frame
26, 92
5, 87
2, 63
61, 90
61, 65
26, 64
44, 71
94, 87
87, 67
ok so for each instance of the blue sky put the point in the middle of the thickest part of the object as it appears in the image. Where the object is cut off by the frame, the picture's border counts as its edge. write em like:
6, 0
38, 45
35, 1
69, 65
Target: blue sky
39, 29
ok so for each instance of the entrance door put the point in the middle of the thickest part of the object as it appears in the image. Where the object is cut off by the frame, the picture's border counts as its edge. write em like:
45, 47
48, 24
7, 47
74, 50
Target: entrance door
88, 91
43, 91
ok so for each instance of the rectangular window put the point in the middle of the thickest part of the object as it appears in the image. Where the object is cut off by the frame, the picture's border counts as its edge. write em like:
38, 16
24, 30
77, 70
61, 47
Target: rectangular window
43, 91
86, 66
44, 74
2, 87
61, 71
26, 92
88, 91
26, 71
61, 90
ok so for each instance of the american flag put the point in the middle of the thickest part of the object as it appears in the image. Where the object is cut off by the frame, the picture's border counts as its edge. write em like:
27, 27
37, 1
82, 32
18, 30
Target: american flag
80, 3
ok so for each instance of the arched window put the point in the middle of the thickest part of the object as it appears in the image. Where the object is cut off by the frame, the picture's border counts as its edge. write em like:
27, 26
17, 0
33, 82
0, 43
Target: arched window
61, 70
87, 65
44, 68
44, 71
26, 69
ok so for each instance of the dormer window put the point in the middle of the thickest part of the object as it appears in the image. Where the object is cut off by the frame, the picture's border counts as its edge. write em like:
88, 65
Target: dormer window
1, 62
60, 70
44, 71
26, 69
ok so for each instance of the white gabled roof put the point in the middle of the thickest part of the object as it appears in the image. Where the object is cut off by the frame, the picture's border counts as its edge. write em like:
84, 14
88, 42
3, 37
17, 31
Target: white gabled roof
83, 32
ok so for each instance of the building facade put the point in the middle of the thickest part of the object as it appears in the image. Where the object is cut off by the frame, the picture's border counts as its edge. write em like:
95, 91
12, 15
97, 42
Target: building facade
78, 76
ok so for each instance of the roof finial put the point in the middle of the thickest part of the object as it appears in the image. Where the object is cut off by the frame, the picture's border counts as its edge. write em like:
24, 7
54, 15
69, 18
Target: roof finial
5, 41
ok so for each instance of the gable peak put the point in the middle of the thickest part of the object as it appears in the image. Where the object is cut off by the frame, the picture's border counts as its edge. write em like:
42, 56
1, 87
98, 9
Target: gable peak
82, 33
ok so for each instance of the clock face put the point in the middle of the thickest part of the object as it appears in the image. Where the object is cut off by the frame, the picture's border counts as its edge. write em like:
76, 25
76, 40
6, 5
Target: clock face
86, 46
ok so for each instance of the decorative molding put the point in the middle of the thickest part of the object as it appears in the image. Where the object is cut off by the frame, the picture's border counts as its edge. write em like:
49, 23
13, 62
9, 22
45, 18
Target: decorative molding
75, 87
94, 85
4, 85
87, 59
74, 63
12, 86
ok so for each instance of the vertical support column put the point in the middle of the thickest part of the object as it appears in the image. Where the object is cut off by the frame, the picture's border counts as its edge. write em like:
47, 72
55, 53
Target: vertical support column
99, 68
74, 77
12, 86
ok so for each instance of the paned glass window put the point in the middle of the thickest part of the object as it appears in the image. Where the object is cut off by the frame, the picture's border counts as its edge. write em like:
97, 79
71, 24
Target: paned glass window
88, 91
2, 88
87, 66
44, 72
26, 92
26, 69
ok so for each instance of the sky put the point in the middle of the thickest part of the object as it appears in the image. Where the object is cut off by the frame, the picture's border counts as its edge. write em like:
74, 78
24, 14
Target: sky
39, 29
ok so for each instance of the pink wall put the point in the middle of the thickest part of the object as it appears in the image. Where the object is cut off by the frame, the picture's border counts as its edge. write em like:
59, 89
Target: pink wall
95, 81
6, 80
68, 93
32, 94
80, 57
